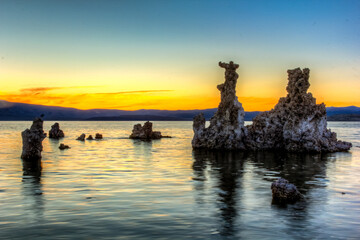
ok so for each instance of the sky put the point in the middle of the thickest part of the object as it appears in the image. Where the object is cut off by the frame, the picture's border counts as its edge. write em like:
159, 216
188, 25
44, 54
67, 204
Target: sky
164, 54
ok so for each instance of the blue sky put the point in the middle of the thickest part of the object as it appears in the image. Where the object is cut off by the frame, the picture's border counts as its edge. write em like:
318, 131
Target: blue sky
140, 45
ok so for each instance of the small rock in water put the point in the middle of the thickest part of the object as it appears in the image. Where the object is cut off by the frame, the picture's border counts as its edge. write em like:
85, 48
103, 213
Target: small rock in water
145, 132
98, 136
81, 137
285, 192
63, 146
56, 132
90, 137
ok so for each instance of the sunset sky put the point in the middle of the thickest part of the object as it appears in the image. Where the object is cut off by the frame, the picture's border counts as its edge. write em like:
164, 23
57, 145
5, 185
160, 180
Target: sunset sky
164, 54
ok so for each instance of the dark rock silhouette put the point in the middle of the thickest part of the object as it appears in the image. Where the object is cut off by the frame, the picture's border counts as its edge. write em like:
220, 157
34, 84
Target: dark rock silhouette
296, 123
81, 137
32, 141
98, 136
56, 132
226, 130
90, 137
285, 192
63, 146
145, 132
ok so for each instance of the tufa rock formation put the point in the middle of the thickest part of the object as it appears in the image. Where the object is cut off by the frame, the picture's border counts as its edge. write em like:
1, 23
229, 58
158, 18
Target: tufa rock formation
56, 132
145, 132
81, 137
32, 141
285, 192
63, 146
226, 130
296, 123
98, 136
90, 137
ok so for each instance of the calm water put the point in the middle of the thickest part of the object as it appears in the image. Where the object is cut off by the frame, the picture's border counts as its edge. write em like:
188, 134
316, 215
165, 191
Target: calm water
128, 189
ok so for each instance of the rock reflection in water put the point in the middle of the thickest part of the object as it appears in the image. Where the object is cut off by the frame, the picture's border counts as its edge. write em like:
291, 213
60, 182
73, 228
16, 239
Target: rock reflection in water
227, 168
32, 189
304, 170
237, 179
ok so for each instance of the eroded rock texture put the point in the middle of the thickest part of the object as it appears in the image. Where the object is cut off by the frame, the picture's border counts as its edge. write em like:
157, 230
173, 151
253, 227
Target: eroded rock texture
55, 131
285, 192
226, 130
296, 123
145, 132
32, 141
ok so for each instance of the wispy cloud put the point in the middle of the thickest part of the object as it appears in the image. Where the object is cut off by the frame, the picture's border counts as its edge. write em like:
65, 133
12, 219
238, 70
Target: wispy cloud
40, 89
135, 92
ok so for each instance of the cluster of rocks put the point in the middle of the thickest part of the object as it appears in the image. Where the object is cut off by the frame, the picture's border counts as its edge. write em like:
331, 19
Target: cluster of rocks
98, 136
296, 124
145, 132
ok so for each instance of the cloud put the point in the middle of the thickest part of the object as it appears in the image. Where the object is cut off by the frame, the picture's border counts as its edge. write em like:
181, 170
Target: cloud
40, 89
135, 92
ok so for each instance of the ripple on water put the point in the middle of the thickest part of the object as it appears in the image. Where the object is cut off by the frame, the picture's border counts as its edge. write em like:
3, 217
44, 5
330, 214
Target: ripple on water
121, 188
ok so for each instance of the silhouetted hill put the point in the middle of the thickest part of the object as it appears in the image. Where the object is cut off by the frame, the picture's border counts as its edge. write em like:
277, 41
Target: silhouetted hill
344, 117
342, 110
21, 111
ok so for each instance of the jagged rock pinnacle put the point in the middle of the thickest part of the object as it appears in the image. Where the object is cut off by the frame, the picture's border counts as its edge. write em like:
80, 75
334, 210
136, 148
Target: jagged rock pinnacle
226, 130
32, 141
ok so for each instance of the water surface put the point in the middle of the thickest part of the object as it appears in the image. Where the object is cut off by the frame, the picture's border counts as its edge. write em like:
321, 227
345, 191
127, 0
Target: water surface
130, 189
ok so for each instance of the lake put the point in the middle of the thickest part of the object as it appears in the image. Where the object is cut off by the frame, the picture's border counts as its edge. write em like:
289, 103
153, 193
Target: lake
117, 188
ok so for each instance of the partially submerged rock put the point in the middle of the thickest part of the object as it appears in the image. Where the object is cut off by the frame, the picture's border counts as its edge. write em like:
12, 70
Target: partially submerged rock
98, 136
285, 192
90, 137
296, 123
32, 141
63, 146
226, 130
81, 137
56, 132
145, 132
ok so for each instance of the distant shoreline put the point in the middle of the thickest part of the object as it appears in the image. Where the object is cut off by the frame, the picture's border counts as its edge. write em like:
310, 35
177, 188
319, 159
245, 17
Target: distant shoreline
11, 111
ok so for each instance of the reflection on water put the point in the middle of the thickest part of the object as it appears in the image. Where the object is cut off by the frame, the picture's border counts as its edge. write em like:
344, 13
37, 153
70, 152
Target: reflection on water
226, 168
32, 189
131, 189
232, 175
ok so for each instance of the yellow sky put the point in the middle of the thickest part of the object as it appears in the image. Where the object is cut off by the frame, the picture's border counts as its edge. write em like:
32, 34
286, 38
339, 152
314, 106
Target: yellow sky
163, 88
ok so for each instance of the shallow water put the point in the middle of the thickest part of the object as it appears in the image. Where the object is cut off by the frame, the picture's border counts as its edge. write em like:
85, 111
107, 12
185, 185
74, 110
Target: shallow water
129, 189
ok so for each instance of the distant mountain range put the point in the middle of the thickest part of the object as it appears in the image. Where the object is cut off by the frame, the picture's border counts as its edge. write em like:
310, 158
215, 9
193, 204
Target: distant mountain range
10, 111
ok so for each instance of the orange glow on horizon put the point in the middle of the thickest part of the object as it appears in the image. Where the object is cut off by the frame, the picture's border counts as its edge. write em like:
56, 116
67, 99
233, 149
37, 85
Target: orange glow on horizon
144, 99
